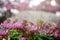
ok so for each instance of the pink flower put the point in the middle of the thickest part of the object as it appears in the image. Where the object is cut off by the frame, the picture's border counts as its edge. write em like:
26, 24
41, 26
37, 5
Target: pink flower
48, 31
40, 31
22, 38
55, 34
5, 32
6, 26
44, 28
15, 21
32, 28
54, 25
9, 26
6, 21
23, 21
3, 25
17, 25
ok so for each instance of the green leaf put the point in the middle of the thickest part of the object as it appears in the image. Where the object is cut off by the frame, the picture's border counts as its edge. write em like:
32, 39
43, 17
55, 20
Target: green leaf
42, 36
13, 34
47, 36
35, 37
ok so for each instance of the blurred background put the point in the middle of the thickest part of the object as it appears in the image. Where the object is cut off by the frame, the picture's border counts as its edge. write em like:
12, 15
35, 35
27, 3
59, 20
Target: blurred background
48, 10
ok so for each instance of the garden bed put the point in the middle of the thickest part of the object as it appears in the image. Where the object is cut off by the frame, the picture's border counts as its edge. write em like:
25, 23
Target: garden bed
27, 30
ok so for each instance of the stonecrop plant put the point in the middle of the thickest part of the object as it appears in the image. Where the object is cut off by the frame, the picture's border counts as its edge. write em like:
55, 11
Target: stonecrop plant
27, 30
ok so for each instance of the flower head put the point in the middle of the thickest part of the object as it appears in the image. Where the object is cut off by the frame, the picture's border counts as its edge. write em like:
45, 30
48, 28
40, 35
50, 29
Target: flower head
32, 27
22, 38
5, 32
53, 26
55, 34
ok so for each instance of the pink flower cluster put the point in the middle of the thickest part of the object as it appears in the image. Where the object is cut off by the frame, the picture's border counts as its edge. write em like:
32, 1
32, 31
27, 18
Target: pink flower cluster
27, 27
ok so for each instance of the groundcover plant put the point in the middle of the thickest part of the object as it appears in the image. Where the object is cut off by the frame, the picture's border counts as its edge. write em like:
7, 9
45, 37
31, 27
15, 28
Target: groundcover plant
27, 30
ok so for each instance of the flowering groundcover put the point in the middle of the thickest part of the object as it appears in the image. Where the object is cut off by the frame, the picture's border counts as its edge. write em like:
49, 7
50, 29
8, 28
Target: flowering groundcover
27, 30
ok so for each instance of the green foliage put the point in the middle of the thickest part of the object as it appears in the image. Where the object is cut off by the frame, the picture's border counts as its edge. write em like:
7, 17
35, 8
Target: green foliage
13, 34
35, 37
40, 22
41, 37
47, 36
49, 24
59, 21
